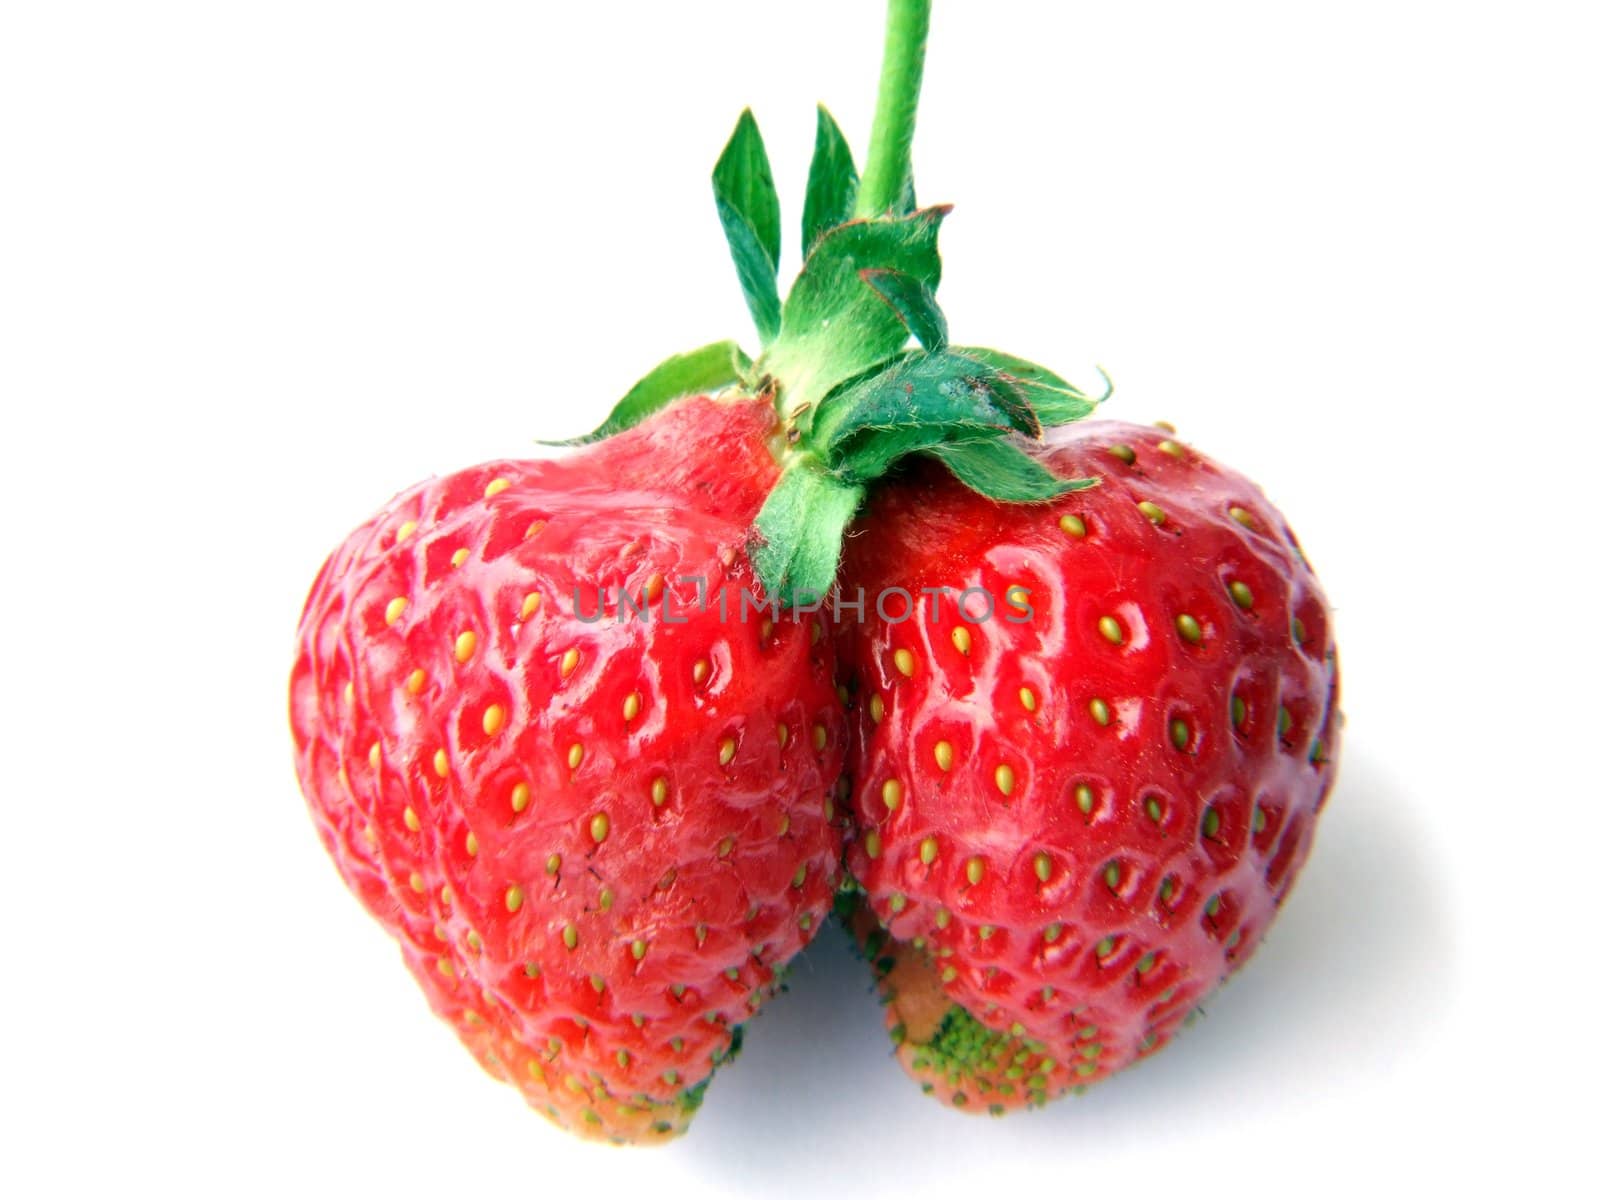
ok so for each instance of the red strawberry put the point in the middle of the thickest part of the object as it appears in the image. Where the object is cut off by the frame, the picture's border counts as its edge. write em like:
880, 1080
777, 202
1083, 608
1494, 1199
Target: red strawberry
1088, 807
598, 839
597, 842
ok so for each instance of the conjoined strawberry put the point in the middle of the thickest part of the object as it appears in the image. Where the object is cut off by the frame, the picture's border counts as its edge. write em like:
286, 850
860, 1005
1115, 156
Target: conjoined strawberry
1093, 740
571, 729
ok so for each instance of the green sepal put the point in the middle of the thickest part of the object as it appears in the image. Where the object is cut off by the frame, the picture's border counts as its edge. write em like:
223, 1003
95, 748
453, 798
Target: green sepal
913, 302
747, 203
918, 401
831, 186
834, 324
799, 532
707, 369
1002, 470
1055, 400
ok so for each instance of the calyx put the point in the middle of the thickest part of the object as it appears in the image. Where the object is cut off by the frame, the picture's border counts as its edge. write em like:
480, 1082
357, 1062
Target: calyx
856, 361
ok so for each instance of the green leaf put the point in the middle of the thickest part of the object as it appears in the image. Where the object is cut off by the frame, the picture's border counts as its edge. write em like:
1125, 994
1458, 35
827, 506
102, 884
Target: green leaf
834, 324
1002, 470
913, 302
1055, 400
704, 370
831, 188
943, 394
799, 532
747, 203
870, 455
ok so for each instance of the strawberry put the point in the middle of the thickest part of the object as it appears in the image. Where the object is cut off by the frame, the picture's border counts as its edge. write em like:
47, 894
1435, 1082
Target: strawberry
561, 738
596, 841
1083, 787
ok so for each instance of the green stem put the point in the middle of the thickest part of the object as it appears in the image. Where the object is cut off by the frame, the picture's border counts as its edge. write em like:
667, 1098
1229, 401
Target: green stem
888, 168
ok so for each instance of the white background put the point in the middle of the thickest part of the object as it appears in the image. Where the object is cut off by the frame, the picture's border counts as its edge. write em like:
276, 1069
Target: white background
262, 265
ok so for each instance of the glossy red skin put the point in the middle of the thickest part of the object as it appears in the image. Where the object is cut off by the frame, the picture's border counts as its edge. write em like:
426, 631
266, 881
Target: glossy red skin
926, 531
725, 880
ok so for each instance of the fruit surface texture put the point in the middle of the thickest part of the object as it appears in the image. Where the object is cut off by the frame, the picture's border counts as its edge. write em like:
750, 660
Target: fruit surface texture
597, 835
1091, 741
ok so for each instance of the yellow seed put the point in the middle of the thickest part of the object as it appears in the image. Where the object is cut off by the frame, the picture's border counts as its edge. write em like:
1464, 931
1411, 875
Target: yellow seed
874, 844
783, 825
892, 794
407, 528
446, 967
944, 754
374, 756
638, 948
800, 876
1123, 452
520, 795
1005, 779
1072, 525
1242, 516
496, 486
472, 844
574, 755
929, 850
530, 604
460, 556
441, 763
1241, 593
466, 645
658, 792
905, 662
1154, 511
350, 693
783, 735
446, 896
653, 588
534, 529
1111, 630
415, 680
630, 706
474, 942
416, 883
941, 918
410, 817
396, 607
875, 708
725, 847
569, 662
1017, 597
569, 937
702, 671
600, 827
552, 864
1028, 700
948, 975
819, 736
493, 718
1043, 867
513, 897
726, 750
974, 871
961, 636
1168, 446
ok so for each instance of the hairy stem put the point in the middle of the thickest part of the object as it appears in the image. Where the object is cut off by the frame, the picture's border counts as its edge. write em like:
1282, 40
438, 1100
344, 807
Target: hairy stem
888, 167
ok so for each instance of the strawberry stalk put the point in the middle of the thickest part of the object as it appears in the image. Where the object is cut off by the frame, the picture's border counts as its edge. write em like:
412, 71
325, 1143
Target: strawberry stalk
886, 182
853, 396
